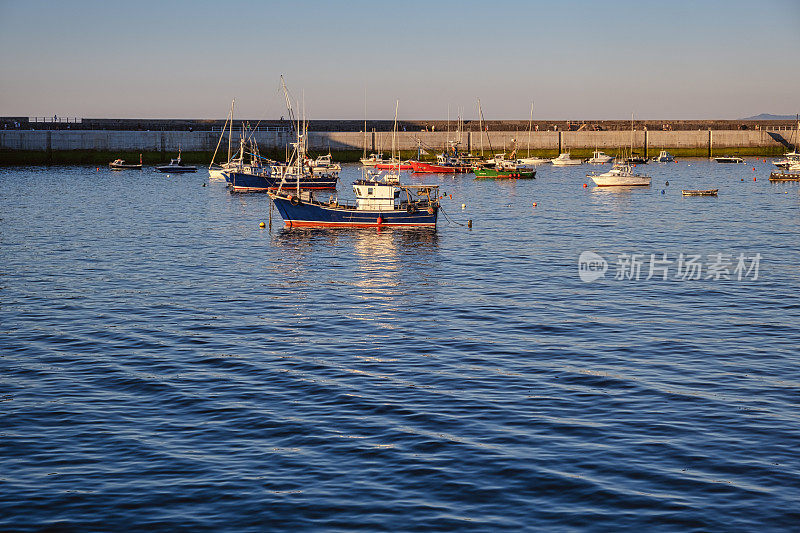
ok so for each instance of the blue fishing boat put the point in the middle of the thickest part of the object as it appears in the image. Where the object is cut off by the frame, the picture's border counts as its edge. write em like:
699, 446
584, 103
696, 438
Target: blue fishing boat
379, 203
262, 175
249, 178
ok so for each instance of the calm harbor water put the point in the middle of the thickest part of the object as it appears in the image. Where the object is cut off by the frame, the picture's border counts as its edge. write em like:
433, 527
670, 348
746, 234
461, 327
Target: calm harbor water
165, 363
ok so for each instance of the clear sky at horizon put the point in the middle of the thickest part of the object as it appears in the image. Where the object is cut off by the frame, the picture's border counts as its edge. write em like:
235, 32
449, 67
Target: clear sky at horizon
575, 59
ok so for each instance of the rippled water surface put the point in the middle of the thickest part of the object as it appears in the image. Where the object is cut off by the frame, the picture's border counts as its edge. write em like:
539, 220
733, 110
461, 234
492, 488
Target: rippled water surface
167, 364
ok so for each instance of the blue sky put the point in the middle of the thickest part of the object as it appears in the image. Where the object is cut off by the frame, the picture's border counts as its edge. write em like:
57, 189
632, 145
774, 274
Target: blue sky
575, 59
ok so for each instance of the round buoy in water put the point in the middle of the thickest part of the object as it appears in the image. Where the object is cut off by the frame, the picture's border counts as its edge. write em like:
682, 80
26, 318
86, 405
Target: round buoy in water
666, 183
534, 204
754, 169
204, 184
469, 223
754, 178
262, 225
463, 206
662, 191
584, 185
98, 169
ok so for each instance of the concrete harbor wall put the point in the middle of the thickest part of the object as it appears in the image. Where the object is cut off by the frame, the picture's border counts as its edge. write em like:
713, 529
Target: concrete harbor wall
53, 144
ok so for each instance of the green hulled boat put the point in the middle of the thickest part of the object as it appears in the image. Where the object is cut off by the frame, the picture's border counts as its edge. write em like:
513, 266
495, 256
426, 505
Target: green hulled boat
504, 173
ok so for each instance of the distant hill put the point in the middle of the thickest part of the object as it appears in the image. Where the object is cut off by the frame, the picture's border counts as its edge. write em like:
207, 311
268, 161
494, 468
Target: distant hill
767, 116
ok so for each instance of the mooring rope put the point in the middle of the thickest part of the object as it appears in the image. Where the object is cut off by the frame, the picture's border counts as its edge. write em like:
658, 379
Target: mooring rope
450, 219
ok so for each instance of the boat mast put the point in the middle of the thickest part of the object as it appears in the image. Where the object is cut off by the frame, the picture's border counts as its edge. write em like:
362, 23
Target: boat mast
631, 133
230, 131
488, 139
221, 135
394, 131
480, 123
530, 126
365, 122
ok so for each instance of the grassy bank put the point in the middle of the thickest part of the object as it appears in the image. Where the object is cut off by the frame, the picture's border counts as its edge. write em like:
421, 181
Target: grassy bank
94, 157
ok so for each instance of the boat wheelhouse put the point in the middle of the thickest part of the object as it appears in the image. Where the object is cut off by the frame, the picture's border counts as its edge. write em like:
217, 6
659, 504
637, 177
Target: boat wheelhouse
664, 157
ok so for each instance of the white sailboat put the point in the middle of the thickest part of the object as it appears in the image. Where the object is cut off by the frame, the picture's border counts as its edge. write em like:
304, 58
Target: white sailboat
531, 161
791, 159
218, 172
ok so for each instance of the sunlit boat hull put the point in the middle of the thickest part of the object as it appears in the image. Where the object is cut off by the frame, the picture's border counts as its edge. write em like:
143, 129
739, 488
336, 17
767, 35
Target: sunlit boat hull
316, 215
421, 167
393, 166
500, 174
621, 181
245, 182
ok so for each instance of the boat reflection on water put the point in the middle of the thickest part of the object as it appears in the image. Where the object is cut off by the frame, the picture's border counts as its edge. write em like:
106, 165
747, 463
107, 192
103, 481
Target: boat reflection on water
378, 275
618, 197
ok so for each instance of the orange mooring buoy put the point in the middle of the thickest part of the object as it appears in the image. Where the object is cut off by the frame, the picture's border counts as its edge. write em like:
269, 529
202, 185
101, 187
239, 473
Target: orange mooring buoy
534, 204
584, 185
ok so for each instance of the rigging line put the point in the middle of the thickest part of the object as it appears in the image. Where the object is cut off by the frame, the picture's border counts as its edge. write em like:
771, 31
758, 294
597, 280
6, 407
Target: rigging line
449, 219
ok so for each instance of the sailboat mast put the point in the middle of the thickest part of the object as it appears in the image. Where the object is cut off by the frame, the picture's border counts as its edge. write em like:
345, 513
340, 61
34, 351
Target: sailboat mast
230, 130
219, 142
394, 132
365, 122
631, 134
480, 123
530, 126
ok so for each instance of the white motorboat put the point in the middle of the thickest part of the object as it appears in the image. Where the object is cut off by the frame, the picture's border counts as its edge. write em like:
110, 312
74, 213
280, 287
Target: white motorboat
600, 158
664, 157
324, 166
729, 159
176, 166
620, 176
533, 161
789, 159
374, 159
564, 159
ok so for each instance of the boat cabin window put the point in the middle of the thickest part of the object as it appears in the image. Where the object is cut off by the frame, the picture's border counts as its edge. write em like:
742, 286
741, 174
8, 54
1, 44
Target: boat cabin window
369, 190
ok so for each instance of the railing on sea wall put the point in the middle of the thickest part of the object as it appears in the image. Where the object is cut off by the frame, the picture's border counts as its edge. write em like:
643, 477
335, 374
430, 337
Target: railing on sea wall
219, 129
55, 119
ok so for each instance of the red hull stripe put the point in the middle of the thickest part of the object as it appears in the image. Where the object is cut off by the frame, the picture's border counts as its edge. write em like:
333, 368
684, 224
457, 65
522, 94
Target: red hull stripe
311, 224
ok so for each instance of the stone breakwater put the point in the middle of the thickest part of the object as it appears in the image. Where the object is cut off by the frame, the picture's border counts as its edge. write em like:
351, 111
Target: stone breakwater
19, 146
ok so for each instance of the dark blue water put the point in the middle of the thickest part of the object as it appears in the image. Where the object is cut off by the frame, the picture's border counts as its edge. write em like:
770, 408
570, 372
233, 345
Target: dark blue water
167, 364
